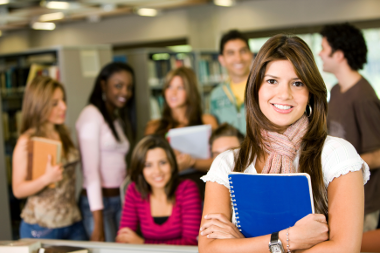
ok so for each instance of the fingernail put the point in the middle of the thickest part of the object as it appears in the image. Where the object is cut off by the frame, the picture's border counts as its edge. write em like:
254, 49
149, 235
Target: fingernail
200, 229
208, 236
201, 233
206, 216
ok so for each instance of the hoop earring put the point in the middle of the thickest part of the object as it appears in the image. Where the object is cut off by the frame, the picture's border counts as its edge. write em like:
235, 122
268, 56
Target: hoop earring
311, 111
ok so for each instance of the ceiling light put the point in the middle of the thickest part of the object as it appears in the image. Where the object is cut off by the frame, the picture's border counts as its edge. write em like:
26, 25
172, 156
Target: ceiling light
43, 26
147, 12
225, 3
52, 16
108, 7
57, 5
4, 2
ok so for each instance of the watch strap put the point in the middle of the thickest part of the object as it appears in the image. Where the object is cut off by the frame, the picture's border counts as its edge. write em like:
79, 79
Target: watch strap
274, 238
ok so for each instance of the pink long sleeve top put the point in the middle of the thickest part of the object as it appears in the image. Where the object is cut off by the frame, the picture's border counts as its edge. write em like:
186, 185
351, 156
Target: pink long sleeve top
103, 157
182, 226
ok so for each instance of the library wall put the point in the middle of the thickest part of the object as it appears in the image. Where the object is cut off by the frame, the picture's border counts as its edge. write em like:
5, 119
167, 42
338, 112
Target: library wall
16, 41
201, 25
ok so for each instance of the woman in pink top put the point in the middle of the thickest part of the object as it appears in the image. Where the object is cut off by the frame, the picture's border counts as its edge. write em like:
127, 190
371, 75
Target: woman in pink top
167, 210
103, 146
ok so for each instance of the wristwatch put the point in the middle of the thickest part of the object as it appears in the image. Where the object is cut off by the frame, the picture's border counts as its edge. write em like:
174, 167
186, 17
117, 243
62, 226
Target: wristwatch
275, 245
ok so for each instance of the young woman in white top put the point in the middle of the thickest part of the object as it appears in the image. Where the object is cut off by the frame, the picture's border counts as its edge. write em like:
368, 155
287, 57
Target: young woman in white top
103, 147
286, 132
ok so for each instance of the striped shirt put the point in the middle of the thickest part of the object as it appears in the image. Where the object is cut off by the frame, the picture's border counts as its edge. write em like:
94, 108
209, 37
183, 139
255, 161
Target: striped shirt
182, 226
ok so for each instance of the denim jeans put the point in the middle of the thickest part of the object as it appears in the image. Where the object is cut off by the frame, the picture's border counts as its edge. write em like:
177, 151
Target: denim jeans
74, 232
111, 216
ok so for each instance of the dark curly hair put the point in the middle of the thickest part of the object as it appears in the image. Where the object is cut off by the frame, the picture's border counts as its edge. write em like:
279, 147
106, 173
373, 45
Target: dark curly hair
350, 41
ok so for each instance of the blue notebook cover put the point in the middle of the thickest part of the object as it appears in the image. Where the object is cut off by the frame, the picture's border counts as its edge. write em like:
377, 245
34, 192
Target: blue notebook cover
267, 203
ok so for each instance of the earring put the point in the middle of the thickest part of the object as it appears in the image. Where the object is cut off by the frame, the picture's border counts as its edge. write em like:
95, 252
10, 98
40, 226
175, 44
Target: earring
104, 96
310, 110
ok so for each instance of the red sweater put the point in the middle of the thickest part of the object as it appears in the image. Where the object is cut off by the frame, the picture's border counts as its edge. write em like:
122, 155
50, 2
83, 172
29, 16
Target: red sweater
181, 228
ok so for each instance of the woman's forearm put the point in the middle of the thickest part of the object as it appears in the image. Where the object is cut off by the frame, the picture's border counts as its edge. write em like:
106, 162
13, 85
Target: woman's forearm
98, 232
332, 246
244, 245
203, 164
28, 188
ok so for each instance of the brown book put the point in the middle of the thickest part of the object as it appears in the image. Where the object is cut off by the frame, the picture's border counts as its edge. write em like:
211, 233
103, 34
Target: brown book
38, 151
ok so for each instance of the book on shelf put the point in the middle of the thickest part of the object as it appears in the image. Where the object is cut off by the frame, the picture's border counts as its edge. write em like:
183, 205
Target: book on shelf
210, 70
38, 151
42, 70
159, 68
62, 249
19, 246
15, 79
273, 202
193, 140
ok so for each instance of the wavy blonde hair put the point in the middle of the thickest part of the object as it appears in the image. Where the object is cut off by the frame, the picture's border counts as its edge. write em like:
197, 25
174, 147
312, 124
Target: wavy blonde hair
37, 106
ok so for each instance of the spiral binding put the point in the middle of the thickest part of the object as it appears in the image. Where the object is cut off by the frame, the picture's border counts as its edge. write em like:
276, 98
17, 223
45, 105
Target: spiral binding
234, 205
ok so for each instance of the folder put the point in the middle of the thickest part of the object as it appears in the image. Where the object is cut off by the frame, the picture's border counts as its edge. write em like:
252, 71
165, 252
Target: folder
193, 140
38, 151
268, 203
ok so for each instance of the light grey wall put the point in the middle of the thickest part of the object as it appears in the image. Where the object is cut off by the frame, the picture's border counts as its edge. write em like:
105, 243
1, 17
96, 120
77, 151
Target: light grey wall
202, 25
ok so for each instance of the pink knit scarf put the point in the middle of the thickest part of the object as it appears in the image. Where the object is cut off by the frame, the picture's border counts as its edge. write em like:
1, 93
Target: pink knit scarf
282, 148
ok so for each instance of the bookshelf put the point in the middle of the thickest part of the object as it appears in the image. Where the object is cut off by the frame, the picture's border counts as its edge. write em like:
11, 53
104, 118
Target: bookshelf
76, 68
151, 66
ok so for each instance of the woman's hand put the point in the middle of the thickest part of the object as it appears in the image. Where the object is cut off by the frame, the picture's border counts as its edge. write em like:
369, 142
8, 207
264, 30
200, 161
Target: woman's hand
97, 235
184, 161
308, 231
218, 226
127, 235
52, 174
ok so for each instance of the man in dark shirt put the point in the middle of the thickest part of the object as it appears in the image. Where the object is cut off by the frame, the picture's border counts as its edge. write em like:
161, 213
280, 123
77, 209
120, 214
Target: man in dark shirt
354, 108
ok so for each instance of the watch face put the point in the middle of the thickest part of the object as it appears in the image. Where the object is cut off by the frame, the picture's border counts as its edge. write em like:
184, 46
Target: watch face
275, 249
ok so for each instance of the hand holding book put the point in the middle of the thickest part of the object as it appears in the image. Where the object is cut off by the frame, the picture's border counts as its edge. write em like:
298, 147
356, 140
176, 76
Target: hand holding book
307, 232
53, 173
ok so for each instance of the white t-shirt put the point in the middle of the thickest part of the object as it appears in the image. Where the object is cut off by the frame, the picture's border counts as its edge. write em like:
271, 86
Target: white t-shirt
338, 158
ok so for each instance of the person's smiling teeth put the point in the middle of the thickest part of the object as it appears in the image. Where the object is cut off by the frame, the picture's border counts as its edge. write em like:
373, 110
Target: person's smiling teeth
238, 66
121, 99
158, 179
282, 107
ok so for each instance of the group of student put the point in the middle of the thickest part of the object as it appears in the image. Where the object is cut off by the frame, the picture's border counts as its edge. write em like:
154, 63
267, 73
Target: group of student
273, 119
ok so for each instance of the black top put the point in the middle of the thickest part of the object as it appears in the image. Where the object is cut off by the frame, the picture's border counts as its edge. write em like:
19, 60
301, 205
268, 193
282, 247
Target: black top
160, 220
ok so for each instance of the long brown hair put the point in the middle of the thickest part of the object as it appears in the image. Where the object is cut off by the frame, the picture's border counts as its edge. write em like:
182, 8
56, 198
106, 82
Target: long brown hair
138, 163
295, 50
193, 100
36, 108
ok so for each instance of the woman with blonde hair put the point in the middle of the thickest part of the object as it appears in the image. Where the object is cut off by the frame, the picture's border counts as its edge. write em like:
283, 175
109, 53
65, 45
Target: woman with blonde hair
182, 108
49, 213
286, 103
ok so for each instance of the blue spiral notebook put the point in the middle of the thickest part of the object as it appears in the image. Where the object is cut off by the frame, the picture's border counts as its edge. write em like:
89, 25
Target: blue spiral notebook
267, 203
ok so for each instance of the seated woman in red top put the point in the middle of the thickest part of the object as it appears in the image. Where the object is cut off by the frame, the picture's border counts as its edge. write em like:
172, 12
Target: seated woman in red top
167, 210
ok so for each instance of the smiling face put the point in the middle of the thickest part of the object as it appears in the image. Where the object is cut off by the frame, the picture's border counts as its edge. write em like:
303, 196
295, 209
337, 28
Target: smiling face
58, 108
157, 170
118, 89
175, 93
236, 58
283, 97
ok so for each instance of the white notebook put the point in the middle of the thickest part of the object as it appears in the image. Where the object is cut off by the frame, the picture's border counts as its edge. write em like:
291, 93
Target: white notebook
192, 140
